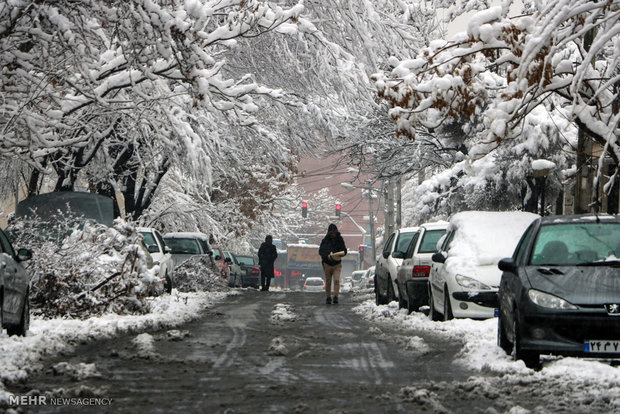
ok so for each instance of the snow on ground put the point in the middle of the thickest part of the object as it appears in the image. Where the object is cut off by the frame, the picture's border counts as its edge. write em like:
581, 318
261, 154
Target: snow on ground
283, 312
20, 355
481, 353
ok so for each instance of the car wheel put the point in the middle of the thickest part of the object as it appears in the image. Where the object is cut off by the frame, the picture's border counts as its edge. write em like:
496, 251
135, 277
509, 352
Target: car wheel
447, 306
168, 284
434, 315
402, 303
530, 358
390, 291
379, 298
24, 322
502, 340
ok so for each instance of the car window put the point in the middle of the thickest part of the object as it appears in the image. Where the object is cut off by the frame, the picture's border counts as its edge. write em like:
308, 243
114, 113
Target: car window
6, 245
403, 241
523, 243
412, 244
387, 248
574, 243
428, 244
245, 260
149, 239
314, 282
183, 246
448, 241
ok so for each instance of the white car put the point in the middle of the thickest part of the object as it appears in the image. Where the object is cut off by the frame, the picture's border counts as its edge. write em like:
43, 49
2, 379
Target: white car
464, 277
314, 284
388, 263
416, 267
357, 279
161, 254
369, 278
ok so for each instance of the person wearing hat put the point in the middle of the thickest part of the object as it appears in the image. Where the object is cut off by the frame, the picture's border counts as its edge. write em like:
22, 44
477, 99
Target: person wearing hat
331, 250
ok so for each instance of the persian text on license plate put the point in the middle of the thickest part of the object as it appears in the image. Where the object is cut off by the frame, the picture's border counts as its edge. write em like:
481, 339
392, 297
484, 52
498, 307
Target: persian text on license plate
601, 346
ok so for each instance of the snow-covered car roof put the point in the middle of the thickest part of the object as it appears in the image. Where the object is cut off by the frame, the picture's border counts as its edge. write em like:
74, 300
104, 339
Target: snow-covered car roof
435, 225
486, 237
181, 235
409, 229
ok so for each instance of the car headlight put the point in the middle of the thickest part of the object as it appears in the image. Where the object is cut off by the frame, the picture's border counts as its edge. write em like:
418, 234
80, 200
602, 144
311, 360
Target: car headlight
471, 283
549, 301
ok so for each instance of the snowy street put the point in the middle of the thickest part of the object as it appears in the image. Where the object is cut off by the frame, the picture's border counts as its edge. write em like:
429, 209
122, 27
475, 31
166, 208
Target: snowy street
288, 352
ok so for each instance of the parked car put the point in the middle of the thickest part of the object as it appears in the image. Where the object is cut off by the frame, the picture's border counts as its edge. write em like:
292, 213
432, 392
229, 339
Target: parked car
14, 288
464, 276
560, 290
357, 279
234, 276
161, 254
220, 261
250, 271
388, 263
416, 267
184, 245
314, 284
369, 278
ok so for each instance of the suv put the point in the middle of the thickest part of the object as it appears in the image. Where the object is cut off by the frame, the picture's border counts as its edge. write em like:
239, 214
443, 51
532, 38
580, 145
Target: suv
250, 272
14, 288
416, 267
386, 269
162, 254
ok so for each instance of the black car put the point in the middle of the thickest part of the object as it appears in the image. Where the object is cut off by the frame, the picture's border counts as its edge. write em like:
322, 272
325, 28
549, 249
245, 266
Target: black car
560, 292
250, 272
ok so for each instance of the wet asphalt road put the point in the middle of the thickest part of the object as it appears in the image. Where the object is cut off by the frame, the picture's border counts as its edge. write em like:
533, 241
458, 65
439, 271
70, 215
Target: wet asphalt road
236, 358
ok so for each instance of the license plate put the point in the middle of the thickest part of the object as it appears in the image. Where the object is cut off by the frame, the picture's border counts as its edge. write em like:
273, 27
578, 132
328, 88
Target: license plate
601, 346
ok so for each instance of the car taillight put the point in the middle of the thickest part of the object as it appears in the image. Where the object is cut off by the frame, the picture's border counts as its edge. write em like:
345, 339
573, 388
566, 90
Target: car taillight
255, 270
420, 271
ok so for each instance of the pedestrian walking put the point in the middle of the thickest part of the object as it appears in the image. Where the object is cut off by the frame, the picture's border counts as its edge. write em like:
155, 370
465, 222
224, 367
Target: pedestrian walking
267, 255
331, 250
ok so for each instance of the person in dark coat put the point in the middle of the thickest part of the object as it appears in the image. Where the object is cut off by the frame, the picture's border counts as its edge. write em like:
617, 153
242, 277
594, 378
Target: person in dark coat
332, 264
267, 255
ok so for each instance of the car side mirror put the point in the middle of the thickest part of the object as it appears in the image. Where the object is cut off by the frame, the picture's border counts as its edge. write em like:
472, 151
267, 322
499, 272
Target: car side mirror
438, 257
507, 265
24, 254
386, 255
218, 257
152, 248
167, 249
228, 260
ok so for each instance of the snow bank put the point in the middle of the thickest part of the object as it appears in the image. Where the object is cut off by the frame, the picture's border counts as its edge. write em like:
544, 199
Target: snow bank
19, 355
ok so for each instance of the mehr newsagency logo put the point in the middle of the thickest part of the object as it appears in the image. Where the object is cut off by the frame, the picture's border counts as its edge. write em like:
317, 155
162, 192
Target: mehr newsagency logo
33, 400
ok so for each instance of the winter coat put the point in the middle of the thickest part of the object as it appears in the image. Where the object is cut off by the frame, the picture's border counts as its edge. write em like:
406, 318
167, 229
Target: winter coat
267, 255
329, 245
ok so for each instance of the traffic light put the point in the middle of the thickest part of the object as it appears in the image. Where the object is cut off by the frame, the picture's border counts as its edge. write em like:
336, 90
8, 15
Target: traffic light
338, 208
304, 209
361, 251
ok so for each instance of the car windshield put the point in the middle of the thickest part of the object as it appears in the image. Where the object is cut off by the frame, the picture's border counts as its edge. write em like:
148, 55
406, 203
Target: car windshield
149, 239
314, 282
245, 260
429, 241
577, 243
183, 246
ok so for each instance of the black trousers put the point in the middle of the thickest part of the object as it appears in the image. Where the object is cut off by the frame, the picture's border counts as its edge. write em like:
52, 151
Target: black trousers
265, 277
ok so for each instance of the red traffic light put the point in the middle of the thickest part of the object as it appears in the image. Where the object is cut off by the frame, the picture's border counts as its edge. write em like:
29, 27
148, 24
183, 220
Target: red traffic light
338, 208
304, 209
304, 205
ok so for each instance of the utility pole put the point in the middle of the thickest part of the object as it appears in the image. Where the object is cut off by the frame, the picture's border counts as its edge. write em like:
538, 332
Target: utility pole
389, 207
583, 186
399, 204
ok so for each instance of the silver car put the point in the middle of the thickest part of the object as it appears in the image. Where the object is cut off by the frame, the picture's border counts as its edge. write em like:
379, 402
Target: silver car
314, 284
14, 288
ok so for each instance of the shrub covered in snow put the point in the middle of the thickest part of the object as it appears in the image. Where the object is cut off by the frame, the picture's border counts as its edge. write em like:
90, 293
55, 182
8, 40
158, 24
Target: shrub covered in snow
199, 273
87, 269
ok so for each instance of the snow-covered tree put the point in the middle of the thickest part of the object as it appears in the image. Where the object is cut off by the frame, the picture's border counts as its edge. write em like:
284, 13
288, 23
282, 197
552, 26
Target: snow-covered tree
497, 80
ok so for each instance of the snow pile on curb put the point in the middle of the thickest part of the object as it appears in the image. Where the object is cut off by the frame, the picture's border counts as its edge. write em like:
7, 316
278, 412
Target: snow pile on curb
19, 355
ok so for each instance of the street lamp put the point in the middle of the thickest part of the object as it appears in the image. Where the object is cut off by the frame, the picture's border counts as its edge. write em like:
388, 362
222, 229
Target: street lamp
370, 195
